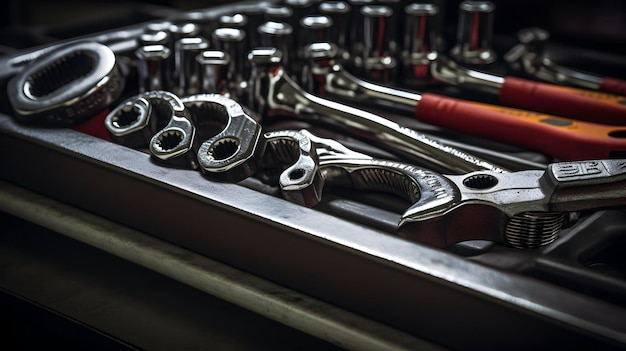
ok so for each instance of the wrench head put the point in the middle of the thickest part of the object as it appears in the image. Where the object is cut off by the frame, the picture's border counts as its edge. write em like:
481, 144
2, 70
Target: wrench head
233, 153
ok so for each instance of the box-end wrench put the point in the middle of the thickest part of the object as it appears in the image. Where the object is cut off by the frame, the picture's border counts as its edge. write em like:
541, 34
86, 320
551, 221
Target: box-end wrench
273, 93
530, 57
562, 138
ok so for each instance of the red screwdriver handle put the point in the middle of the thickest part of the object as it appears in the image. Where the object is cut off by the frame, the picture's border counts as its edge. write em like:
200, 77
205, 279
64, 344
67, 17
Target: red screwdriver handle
563, 101
613, 86
562, 138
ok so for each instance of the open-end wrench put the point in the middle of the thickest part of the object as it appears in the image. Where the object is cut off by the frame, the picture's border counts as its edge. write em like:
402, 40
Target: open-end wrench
525, 209
530, 56
563, 138
273, 93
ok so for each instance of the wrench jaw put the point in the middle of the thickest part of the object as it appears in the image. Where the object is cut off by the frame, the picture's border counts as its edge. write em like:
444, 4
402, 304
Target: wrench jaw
291, 155
233, 153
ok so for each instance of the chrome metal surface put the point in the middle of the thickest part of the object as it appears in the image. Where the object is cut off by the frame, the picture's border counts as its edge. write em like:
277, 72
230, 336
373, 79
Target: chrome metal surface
448, 71
234, 152
531, 58
274, 93
475, 33
68, 85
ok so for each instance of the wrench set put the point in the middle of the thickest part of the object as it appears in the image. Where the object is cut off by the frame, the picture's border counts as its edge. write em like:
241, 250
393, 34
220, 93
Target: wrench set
305, 117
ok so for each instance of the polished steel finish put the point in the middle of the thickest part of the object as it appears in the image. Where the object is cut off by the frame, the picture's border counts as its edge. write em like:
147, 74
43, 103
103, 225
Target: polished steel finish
234, 152
380, 47
66, 86
153, 67
420, 42
475, 33
339, 13
531, 58
213, 69
187, 69
331, 77
527, 205
160, 37
278, 35
448, 71
274, 93
292, 156
233, 42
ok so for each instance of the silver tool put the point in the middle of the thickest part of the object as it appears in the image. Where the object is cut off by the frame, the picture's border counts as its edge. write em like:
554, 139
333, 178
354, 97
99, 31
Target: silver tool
233, 42
531, 57
186, 72
278, 35
313, 28
157, 118
237, 20
525, 209
233, 153
339, 13
278, 13
67, 85
161, 37
290, 160
378, 60
273, 93
329, 77
153, 67
355, 38
475, 33
213, 69
420, 43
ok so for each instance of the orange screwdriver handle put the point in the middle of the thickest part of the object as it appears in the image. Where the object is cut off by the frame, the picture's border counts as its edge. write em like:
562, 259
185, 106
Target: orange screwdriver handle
563, 101
613, 86
562, 138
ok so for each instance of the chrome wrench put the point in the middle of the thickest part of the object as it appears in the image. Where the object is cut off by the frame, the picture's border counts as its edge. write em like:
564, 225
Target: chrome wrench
525, 209
559, 137
275, 94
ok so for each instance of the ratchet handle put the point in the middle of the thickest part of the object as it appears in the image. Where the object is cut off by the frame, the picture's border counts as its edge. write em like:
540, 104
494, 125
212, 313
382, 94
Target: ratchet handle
560, 137
586, 105
613, 86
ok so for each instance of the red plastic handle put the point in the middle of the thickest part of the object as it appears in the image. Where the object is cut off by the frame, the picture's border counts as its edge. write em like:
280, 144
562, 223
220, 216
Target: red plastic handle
613, 86
94, 126
562, 138
569, 102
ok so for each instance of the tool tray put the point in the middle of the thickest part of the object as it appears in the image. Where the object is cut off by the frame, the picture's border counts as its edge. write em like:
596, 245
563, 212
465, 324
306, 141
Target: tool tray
344, 251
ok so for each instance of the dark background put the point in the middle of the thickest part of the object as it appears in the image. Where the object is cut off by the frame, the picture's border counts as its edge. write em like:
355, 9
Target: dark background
597, 24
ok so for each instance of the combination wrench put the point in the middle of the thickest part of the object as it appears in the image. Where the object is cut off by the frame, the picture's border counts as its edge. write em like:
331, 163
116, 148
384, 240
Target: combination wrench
524, 209
560, 137
273, 93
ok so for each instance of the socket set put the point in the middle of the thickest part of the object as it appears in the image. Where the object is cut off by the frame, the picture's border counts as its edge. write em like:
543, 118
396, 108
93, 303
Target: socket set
435, 177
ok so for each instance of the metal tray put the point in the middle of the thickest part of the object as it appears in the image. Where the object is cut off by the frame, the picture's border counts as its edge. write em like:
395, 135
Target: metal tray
475, 295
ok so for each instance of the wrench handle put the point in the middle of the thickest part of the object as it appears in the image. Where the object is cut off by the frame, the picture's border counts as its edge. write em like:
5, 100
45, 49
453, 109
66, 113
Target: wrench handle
560, 137
586, 105
613, 86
